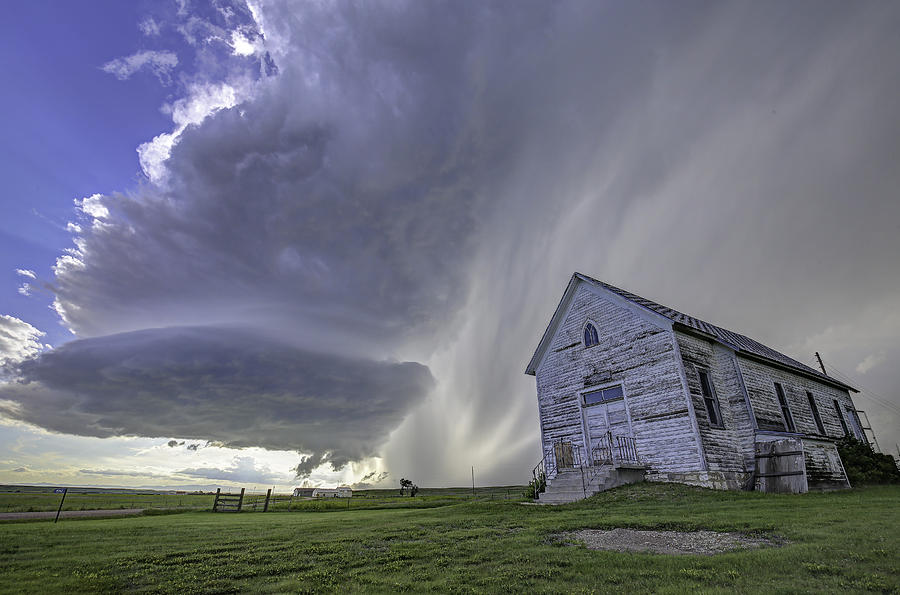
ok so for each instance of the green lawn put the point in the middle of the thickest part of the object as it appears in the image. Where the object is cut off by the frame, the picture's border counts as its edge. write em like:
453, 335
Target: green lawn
36, 499
44, 501
837, 541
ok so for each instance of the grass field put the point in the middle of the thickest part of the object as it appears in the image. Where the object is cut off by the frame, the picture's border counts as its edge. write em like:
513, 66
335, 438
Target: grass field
836, 541
44, 501
36, 499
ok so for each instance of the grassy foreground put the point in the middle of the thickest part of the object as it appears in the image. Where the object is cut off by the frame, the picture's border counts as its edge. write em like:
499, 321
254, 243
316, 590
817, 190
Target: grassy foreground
38, 499
837, 541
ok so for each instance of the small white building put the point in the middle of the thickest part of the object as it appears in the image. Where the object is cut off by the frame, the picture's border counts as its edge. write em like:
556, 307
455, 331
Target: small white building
338, 492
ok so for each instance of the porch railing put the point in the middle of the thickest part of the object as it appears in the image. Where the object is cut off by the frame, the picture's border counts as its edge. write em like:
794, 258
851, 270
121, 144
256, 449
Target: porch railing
610, 450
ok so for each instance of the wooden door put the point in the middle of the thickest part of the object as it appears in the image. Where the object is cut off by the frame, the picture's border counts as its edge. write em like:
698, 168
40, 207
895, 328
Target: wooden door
604, 418
565, 455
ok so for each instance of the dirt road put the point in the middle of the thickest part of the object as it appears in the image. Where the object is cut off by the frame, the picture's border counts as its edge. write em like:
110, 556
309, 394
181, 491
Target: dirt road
68, 514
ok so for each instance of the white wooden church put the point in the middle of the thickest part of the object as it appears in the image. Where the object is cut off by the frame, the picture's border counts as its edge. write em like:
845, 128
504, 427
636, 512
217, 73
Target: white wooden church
629, 389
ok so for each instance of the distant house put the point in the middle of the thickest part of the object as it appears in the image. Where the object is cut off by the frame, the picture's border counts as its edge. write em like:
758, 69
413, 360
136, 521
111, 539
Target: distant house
303, 492
338, 492
628, 387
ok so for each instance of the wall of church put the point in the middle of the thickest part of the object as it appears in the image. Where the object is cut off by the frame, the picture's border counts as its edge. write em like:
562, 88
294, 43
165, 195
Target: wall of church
728, 446
634, 352
760, 380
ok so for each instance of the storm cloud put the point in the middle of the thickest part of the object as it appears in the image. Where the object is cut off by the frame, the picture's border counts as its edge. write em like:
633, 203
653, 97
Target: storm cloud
229, 385
417, 181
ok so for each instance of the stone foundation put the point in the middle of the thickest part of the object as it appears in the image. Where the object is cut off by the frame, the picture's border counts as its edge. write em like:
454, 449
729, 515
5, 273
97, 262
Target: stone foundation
716, 480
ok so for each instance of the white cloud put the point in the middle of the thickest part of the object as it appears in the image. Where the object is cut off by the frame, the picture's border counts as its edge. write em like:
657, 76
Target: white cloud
202, 101
149, 27
92, 206
241, 470
870, 362
18, 340
26, 273
160, 63
25, 289
241, 46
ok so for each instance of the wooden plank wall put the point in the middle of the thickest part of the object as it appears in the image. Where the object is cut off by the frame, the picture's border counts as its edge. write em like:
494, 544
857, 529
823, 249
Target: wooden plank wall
634, 352
759, 379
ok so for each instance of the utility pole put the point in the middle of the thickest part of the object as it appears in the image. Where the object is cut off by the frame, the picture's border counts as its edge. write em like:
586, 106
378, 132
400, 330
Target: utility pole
473, 480
821, 365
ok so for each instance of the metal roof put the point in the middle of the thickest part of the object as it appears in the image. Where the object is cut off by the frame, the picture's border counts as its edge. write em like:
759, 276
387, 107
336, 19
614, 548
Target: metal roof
740, 343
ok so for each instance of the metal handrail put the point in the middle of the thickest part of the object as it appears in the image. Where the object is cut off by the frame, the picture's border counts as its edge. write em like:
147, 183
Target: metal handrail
612, 450
626, 450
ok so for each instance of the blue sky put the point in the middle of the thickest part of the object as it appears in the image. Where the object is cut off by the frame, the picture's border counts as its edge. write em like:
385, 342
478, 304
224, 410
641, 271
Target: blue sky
288, 240
70, 130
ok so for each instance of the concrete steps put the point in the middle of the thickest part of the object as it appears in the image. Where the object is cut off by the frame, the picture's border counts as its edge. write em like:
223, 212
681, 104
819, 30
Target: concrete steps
568, 485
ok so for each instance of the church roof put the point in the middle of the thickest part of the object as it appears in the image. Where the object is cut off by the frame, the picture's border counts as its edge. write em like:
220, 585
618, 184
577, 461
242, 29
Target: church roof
740, 343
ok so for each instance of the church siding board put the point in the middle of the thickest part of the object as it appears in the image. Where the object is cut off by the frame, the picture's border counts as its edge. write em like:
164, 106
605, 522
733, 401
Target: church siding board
728, 449
760, 380
631, 351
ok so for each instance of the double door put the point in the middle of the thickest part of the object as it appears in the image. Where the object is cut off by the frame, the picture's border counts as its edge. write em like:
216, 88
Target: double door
601, 422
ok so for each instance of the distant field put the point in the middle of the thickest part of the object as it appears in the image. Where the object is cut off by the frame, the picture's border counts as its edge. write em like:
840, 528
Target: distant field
841, 541
36, 499
33, 501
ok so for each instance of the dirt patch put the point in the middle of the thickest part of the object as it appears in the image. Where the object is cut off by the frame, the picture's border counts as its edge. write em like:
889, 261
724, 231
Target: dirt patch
669, 542
68, 514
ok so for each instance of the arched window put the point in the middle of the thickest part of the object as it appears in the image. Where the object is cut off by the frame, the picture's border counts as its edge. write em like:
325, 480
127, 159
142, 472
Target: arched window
590, 335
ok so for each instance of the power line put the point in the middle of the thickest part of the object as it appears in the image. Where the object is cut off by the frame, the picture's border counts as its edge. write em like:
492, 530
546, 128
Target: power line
865, 391
868, 393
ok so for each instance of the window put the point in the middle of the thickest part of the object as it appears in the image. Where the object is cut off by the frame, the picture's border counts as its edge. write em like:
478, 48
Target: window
840, 415
785, 410
711, 400
815, 411
854, 423
603, 395
590, 335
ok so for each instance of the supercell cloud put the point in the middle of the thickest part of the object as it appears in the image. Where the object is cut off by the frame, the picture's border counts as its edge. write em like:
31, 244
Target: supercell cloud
360, 185
232, 386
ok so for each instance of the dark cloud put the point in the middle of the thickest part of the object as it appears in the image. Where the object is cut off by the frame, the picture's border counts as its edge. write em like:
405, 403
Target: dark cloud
418, 182
232, 386
370, 480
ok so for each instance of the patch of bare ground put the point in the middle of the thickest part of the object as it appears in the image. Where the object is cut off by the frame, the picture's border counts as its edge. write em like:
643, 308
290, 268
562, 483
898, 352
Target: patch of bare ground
703, 543
67, 514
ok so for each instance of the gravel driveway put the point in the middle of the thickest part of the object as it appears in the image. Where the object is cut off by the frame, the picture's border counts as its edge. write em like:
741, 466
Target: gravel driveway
668, 542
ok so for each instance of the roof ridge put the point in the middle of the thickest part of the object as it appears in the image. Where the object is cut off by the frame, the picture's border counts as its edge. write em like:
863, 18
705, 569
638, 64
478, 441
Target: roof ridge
741, 343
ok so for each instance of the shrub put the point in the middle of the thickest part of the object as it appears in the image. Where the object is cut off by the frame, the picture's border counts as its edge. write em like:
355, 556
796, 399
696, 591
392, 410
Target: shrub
865, 466
535, 487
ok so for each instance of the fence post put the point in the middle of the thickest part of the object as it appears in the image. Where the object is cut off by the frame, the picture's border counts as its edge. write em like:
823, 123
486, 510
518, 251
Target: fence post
63, 499
216, 501
241, 500
266, 505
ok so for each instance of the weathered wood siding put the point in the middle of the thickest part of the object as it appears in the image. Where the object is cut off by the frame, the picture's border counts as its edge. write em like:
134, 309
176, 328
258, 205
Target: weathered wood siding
729, 449
632, 351
824, 470
760, 380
